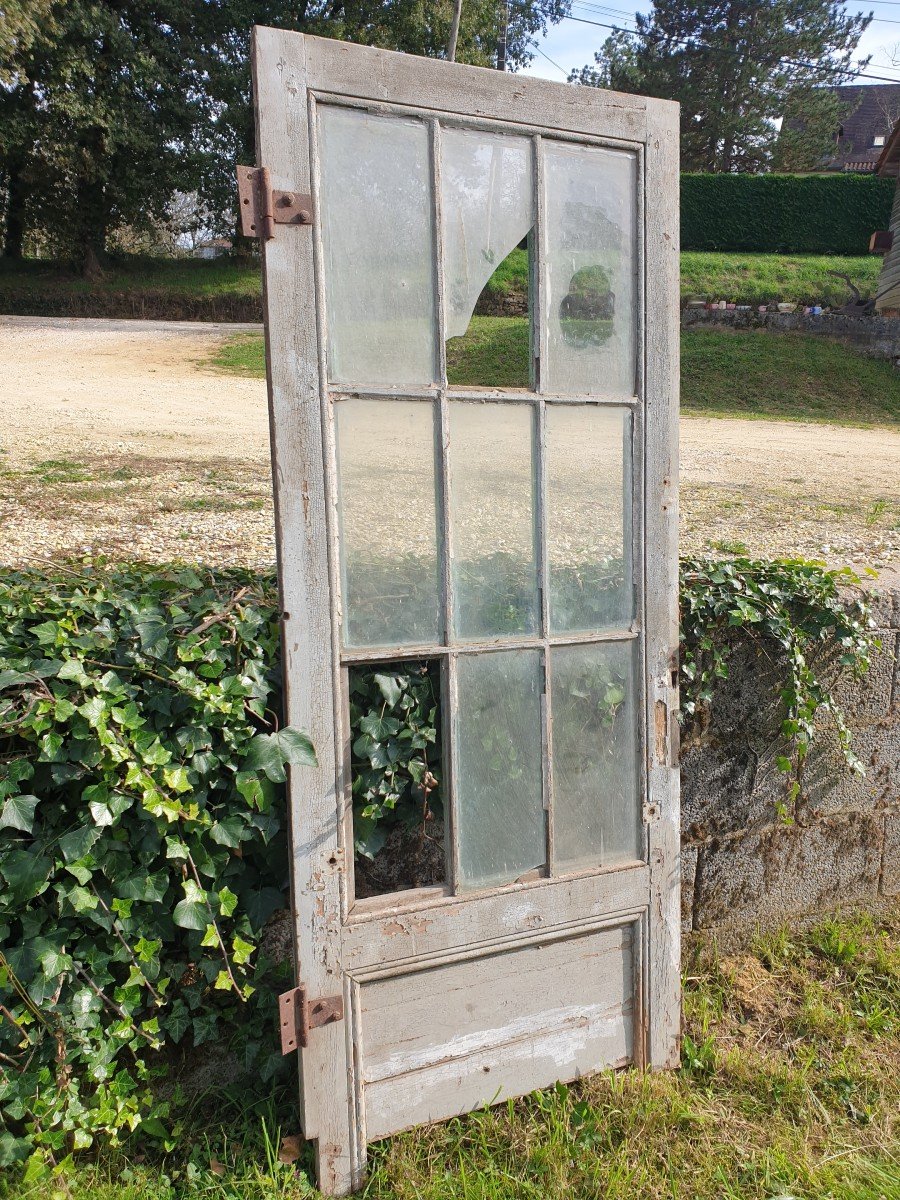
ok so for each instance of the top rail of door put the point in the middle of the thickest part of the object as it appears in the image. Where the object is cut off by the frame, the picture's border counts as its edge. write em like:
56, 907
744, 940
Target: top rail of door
341, 69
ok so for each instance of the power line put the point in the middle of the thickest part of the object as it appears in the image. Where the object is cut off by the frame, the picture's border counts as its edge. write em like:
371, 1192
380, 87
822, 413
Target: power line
551, 62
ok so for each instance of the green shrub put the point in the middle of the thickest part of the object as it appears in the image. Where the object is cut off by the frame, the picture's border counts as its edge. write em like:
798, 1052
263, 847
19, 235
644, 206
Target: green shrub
784, 214
142, 842
141, 838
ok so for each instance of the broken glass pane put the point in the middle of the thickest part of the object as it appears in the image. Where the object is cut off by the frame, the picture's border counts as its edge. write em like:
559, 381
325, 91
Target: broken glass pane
486, 189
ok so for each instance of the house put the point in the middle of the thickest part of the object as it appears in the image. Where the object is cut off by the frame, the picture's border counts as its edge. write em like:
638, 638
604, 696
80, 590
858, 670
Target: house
870, 112
887, 294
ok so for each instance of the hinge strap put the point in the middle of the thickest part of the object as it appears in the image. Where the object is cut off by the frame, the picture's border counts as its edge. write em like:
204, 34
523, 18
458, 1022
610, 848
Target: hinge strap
298, 1015
263, 207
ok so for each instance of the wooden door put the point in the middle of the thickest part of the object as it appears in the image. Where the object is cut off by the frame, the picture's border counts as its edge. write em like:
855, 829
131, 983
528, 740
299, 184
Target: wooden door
519, 543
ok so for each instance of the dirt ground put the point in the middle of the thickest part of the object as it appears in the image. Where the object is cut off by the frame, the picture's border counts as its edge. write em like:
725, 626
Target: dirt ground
119, 437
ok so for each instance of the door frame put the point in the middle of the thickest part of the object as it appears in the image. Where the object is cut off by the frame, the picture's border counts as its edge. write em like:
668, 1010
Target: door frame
290, 70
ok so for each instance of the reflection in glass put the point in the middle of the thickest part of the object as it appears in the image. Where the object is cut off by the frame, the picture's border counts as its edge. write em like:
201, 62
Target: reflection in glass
591, 265
589, 517
499, 775
378, 237
388, 522
487, 208
495, 585
596, 819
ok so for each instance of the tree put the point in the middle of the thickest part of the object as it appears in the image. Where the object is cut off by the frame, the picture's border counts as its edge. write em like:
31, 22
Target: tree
20, 21
99, 120
734, 68
405, 25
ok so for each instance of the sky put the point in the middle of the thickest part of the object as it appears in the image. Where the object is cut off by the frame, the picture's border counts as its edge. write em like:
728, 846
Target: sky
571, 44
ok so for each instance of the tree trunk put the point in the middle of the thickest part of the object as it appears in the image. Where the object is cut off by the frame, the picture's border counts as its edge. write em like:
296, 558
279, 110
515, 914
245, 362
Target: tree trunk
16, 195
91, 202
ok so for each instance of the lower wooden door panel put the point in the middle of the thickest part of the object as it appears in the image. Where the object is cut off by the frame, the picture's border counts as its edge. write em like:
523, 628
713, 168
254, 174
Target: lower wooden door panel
443, 1040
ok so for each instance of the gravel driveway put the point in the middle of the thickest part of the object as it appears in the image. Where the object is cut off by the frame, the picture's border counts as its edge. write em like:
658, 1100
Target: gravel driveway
120, 438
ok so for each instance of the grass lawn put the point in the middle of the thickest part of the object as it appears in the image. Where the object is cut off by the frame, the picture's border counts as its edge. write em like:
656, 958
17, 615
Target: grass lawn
788, 377
789, 1087
769, 278
181, 276
743, 278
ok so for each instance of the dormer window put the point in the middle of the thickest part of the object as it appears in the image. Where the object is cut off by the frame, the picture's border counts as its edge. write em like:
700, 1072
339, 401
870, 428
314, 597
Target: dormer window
878, 139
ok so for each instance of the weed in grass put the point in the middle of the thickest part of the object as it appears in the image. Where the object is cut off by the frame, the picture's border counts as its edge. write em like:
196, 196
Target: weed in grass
876, 512
60, 470
728, 546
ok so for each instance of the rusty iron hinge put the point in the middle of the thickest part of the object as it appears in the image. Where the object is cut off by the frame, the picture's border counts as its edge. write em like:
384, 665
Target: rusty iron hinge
299, 1015
262, 207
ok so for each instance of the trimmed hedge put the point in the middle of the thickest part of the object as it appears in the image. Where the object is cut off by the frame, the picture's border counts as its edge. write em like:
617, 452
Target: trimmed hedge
784, 214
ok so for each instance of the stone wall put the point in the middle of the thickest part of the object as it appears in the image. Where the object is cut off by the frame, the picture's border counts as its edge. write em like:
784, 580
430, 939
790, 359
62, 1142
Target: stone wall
876, 337
743, 867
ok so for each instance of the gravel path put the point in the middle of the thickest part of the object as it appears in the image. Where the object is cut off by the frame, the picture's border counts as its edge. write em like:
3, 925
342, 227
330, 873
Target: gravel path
119, 437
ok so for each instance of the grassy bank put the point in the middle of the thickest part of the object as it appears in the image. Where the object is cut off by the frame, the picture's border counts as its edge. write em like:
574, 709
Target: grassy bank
770, 278
152, 288
787, 377
789, 1086
224, 290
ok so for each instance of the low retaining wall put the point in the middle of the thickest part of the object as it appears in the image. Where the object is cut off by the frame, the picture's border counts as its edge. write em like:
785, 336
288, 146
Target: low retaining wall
743, 868
876, 337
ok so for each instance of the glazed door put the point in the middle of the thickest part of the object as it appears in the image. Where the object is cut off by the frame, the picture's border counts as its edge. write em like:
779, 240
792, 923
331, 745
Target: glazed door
488, 509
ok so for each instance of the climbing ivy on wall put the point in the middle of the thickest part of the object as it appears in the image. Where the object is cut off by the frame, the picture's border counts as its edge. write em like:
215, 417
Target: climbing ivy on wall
142, 841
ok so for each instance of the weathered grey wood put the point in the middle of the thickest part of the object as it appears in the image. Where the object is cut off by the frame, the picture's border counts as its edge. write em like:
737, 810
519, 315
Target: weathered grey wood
661, 367
368, 73
610, 992
309, 665
478, 1031
403, 937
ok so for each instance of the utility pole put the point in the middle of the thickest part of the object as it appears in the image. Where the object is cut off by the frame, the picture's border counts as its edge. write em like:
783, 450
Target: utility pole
501, 44
454, 31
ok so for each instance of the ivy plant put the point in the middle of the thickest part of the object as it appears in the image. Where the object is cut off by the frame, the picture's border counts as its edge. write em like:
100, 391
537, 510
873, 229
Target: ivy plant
141, 838
802, 611
142, 843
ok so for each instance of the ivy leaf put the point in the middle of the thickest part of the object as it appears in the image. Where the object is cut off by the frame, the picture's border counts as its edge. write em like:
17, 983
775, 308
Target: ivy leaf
27, 874
389, 688
191, 912
223, 982
242, 950
269, 752
178, 1022
55, 963
18, 813
227, 902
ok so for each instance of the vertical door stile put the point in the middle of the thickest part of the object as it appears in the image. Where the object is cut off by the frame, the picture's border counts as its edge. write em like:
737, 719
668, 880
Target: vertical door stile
661, 579
442, 447
311, 672
332, 521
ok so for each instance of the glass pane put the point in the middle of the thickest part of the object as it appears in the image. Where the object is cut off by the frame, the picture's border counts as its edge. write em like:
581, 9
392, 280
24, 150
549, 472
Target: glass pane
495, 585
596, 819
591, 265
499, 775
388, 522
589, 517
486, 187
377, 231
